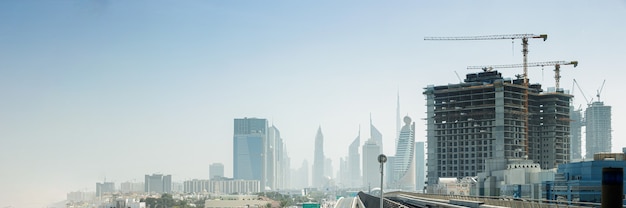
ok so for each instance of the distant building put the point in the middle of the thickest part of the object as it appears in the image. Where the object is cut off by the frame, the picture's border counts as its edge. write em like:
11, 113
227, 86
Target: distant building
123, 203
222, 186
158, 183
403, 175
80, 196
420, 167
328, 168
582, 181
344, 173
216, 170
598, 129
249, 139
105, 187
575, 127
318, 160
376, 136
354, 163
277, 160
132, 187
371, 167
300, 176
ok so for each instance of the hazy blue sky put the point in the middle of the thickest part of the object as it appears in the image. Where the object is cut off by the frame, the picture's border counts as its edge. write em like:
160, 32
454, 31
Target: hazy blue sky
119, 89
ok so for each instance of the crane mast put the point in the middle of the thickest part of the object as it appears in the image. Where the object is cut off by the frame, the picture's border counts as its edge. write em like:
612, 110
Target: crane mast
524, 38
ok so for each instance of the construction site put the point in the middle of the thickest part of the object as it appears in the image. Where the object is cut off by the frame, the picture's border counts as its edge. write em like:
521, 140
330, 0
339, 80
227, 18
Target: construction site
505, 132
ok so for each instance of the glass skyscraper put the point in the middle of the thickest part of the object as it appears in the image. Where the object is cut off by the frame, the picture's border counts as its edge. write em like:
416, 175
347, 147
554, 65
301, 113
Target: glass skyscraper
248, 146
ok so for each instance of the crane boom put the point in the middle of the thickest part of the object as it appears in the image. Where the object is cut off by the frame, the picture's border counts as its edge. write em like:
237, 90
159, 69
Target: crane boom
600, 90
556, 64
533, 64
581, 92
490, 37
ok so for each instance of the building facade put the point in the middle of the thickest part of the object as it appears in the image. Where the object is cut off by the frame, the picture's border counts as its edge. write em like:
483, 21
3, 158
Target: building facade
582, 181
216, 170
249, 139
158, 183
403, 175
371, 167
318, 160
598, 129
420, 167
491, 119
132, 187
354, 163
222, 186
575, 133
104, 187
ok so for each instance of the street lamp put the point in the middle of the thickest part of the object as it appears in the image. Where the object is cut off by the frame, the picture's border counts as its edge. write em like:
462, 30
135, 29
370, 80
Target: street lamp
381, 159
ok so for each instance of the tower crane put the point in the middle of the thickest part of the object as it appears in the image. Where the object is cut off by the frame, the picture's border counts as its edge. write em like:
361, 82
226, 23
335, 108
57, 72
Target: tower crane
600, 90
556, 64
524, 38
581, 92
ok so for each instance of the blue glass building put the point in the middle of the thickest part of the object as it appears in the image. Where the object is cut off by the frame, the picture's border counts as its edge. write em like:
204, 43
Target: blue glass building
248, 148
581, 181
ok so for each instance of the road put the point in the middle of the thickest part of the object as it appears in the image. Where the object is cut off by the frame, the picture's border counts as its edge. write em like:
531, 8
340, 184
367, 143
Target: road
344, 202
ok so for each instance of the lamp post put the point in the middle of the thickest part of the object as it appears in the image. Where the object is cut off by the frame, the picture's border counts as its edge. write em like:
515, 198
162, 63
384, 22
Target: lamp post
381, 159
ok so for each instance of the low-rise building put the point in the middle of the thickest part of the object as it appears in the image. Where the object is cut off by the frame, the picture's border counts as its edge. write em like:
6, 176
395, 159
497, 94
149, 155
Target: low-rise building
582, 181
222, 186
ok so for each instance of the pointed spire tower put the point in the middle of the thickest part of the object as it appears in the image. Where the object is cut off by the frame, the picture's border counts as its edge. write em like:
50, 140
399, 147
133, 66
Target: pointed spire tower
318, 160
376, 135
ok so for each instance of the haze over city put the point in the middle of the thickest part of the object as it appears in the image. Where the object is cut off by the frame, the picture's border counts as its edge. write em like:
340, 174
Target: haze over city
110, 89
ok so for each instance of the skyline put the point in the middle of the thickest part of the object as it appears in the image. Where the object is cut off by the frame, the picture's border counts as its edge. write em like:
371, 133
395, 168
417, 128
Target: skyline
106, 86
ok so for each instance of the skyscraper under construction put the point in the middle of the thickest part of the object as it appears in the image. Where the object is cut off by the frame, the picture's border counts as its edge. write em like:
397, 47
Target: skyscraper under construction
490, 118
598, 128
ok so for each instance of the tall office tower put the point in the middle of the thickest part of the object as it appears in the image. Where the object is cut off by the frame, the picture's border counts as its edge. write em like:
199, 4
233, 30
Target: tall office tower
272, 157
104, 187
371, 167
575, 127
354, 163
598, 128
158, 183
485, 119
420, 167
376, 135
286, 169
216, 170
248, 149
318, 160
403, 165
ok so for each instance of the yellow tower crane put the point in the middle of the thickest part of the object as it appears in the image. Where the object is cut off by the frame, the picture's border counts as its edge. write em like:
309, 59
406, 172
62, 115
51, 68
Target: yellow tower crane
556, 64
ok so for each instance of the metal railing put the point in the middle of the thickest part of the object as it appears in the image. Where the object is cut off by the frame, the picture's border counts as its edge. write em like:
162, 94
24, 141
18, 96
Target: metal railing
505, 202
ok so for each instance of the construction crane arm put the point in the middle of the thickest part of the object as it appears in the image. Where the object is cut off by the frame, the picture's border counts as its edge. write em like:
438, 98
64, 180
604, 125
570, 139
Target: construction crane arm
581, 92
491, 37
600, 90
535, 64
